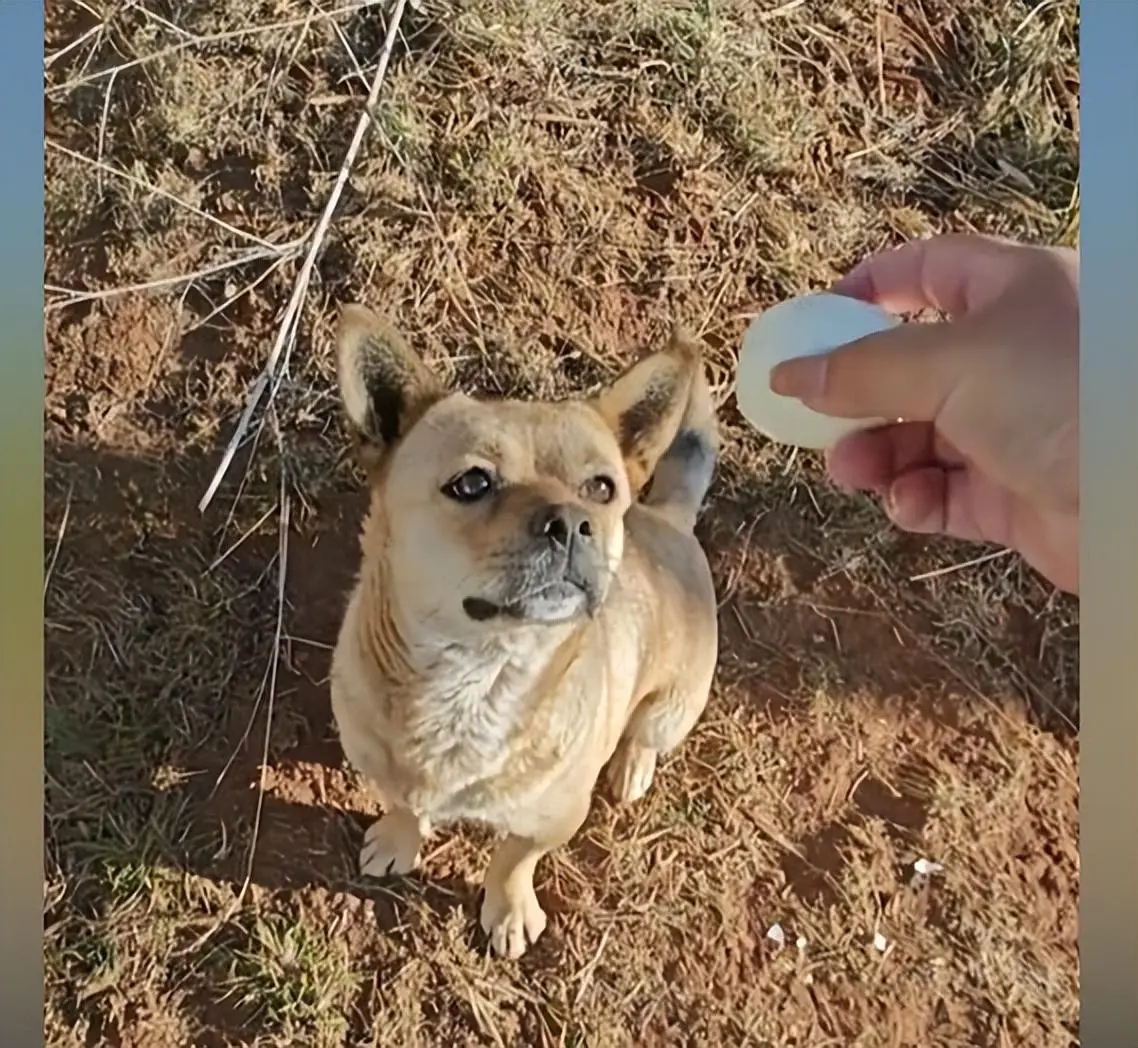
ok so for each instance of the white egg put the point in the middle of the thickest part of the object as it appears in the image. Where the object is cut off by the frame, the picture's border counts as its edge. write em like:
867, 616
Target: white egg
801, 327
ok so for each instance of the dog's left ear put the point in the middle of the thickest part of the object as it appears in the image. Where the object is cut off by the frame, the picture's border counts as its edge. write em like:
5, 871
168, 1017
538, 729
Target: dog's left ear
384, 385
645, 405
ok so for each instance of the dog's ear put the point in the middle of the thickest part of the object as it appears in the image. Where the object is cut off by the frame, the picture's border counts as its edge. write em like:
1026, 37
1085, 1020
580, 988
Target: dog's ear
645, 405
384, 385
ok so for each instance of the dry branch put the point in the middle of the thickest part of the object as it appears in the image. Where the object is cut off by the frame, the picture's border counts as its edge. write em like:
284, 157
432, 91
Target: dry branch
286, 334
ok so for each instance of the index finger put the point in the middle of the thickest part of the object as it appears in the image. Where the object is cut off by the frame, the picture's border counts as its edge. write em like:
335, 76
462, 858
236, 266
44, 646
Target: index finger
955, 273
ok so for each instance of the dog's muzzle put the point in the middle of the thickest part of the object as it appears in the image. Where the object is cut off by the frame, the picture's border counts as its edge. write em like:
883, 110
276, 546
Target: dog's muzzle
559, 576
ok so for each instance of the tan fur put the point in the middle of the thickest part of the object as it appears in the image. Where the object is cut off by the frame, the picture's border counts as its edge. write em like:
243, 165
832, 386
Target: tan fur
508, 717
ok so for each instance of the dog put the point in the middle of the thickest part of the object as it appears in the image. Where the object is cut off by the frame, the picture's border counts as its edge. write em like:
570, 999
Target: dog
532, 603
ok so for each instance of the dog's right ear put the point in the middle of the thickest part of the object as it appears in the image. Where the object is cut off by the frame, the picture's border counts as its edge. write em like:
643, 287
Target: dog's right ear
384, 385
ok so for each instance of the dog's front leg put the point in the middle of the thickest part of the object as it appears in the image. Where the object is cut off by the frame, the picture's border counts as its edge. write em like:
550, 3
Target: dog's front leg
392, 843
511, 915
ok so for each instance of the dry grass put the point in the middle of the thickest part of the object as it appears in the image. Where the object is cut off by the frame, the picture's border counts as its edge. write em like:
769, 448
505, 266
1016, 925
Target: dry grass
546, 186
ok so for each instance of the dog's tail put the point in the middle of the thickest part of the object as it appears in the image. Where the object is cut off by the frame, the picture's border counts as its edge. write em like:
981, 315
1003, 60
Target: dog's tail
685, 471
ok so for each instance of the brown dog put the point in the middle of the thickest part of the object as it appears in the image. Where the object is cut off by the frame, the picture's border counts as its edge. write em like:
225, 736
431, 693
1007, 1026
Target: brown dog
525, 613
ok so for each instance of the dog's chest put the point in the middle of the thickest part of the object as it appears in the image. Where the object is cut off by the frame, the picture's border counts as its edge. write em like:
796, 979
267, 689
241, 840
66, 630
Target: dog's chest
456, 735
462, 741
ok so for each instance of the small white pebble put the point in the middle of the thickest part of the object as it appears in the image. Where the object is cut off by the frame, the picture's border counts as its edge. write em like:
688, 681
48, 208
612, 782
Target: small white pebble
776, 934
927, 867
801, 943
880, 943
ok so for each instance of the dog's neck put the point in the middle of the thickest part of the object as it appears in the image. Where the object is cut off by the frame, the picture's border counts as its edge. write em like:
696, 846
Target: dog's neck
495, 671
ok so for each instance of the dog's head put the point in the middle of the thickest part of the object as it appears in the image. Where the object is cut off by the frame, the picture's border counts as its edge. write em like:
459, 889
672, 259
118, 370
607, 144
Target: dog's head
490, 514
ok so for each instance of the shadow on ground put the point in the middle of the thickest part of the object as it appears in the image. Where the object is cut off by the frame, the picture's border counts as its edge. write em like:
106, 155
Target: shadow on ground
160, 637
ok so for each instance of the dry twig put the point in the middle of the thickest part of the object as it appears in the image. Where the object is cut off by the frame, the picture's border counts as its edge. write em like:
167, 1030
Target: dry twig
286, 334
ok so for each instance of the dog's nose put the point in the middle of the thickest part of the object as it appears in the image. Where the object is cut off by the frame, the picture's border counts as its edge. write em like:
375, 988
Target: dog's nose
560, 525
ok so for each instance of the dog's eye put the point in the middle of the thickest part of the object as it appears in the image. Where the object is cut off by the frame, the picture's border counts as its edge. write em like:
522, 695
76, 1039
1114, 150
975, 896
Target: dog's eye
470, 486
599, 489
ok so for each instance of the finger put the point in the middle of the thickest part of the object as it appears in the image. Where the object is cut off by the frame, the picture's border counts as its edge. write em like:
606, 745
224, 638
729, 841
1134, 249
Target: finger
904, 372
955, 274
872, 459
933, 501
916, 501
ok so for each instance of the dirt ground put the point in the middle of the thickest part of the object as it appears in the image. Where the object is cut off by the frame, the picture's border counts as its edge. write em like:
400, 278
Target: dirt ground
546, 187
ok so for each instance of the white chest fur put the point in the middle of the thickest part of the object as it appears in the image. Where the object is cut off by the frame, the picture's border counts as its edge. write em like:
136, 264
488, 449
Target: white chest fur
466, 740
459, 728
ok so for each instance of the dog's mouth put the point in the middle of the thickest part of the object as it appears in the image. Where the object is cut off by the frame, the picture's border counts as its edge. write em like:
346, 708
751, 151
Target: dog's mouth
482, 610
555, 602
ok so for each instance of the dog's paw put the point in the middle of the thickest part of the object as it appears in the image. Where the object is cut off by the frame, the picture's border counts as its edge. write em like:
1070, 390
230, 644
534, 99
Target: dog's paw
391, 847
513, 924
631, 771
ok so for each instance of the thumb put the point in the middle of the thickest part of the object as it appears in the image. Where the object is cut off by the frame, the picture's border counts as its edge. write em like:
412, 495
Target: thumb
907, 372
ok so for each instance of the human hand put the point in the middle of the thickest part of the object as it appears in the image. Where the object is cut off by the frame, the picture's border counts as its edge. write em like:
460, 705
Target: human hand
989, 449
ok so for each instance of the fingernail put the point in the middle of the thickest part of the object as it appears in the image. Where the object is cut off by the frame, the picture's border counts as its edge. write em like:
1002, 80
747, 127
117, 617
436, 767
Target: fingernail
804, 378
854, 285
